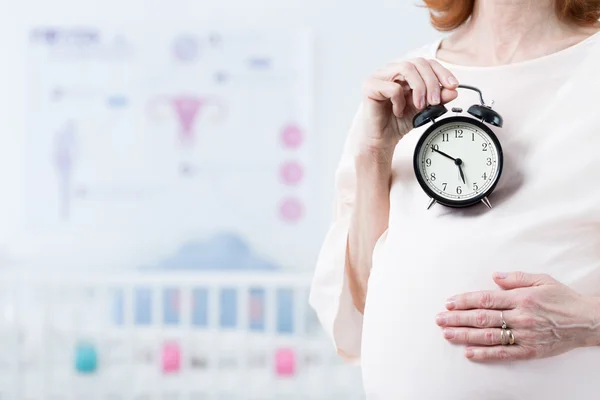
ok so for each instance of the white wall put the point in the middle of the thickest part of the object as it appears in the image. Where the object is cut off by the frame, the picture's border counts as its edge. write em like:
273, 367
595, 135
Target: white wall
353, 38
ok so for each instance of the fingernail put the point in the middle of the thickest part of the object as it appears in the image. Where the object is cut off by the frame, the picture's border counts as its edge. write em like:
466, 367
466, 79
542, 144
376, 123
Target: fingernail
423, 102
440, 320
452, 80
501, 275
449, 333
450, 304
469, 353
435, 98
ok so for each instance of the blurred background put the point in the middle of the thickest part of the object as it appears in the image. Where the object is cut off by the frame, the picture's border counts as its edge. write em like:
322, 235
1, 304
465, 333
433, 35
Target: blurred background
167, 179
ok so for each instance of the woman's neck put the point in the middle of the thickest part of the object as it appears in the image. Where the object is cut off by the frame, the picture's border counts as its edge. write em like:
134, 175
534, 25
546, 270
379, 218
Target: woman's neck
507, 31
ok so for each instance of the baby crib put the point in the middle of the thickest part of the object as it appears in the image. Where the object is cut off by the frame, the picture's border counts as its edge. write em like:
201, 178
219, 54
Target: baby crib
200, 336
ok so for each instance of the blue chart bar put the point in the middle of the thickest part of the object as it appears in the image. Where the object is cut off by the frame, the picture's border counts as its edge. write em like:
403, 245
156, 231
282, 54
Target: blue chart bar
228, 308
143, 306
285, 311
171, 306
257, 310
200, 307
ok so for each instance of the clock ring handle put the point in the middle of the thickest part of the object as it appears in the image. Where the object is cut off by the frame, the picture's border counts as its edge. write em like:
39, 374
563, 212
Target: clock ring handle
483, 111
473, 88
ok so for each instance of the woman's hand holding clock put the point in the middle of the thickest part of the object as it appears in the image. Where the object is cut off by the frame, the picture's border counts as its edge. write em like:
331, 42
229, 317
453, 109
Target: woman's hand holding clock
395, 93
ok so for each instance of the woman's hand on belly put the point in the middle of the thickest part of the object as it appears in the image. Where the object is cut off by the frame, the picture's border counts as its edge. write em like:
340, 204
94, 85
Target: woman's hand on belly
545, 318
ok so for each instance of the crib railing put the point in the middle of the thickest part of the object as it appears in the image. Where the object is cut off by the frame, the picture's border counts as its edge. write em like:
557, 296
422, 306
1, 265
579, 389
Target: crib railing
201, 336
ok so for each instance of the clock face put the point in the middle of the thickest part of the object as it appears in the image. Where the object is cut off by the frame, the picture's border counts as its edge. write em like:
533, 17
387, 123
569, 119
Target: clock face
458, 161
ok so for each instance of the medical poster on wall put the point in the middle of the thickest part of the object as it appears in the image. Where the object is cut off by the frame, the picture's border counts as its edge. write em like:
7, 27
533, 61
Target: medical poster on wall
174, 148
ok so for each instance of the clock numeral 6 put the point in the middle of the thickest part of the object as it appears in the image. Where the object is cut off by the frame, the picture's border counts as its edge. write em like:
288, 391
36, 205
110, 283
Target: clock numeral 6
459, 190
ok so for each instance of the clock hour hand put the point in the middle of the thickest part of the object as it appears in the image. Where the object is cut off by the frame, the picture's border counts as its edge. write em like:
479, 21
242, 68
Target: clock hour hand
457, 161
442, 153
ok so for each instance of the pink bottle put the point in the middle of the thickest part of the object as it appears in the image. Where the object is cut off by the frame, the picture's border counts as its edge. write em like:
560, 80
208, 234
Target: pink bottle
171, 358
285, 362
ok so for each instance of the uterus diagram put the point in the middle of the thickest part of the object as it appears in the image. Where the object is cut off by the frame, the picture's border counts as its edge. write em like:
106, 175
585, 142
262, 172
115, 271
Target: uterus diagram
188, 110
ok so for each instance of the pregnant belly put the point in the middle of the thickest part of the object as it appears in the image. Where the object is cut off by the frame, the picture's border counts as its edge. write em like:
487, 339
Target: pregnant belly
405, 357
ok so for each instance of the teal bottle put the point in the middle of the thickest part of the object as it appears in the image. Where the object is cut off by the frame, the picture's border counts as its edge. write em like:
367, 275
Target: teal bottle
86, 358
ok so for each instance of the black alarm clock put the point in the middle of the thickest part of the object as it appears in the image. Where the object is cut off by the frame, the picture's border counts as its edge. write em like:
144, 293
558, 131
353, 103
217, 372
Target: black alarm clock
458, 159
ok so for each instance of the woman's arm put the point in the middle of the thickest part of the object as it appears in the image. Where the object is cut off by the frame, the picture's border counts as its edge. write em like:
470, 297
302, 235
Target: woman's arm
369, 219
392, 97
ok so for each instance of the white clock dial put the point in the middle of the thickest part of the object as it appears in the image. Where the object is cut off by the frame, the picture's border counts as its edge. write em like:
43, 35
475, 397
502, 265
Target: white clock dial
459, 161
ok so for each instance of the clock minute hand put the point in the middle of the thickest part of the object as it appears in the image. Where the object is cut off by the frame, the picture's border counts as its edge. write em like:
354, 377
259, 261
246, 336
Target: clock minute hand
462, 176
442, 153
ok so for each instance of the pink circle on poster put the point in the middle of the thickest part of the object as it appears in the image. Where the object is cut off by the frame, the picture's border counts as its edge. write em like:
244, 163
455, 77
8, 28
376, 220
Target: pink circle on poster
291, 173
292, 136
291, 210
186, 48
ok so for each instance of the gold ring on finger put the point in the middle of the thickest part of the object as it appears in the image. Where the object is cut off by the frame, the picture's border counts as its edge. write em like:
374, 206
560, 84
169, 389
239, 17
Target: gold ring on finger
511, 337
504, 339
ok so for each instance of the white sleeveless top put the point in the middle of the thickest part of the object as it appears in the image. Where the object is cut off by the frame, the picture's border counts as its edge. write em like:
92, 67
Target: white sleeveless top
546, 219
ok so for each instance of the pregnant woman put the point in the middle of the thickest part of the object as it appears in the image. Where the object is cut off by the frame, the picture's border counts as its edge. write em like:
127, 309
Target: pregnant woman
499, 300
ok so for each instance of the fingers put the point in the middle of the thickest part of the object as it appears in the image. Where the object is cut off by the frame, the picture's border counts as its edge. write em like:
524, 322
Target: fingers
446, 78
500, 353
469, 336
514, 280
448, 95
395, 71
476, 318
378, 90
430, 81
411, 75
486, 300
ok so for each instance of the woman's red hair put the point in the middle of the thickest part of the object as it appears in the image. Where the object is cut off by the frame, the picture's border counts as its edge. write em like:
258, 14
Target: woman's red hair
447, 15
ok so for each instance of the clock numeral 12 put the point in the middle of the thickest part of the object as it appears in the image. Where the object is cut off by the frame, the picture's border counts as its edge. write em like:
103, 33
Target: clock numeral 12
458, 134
